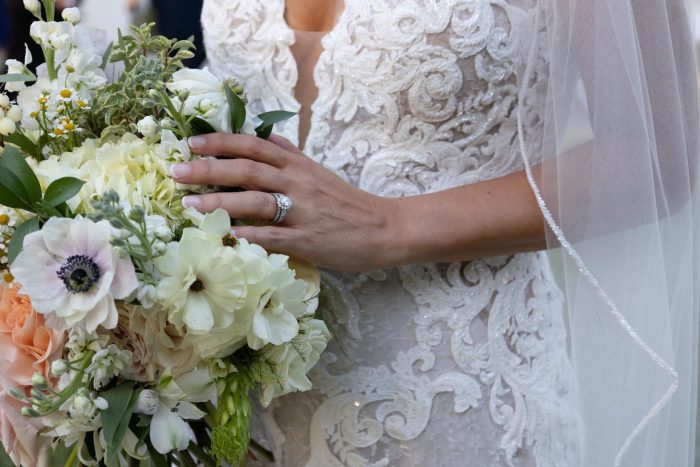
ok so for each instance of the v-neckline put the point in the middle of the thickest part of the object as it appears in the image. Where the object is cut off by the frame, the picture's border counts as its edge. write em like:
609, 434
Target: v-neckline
322, 55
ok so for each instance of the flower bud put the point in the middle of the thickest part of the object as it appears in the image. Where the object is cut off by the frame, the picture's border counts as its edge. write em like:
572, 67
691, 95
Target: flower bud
38, 381
167, 123
7, 126
4, 100
147, 126
29, 412
72, 15
18, 394
59, 367
15, 113
33, 6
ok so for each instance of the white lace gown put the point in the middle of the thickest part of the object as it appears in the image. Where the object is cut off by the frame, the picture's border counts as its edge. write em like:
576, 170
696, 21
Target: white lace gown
434, 364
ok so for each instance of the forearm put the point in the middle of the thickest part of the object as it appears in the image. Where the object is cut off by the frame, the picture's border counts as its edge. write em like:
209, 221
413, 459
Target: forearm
492, 218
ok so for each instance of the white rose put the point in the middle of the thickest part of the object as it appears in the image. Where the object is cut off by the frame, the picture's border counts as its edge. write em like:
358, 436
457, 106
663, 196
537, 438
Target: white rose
15, 113
72, 15
33, 6
292, 362
7, 126
147, 126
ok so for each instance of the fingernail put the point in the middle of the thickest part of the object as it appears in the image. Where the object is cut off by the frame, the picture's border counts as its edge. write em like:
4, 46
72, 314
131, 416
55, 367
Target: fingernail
180, 170
191, 202
196, 141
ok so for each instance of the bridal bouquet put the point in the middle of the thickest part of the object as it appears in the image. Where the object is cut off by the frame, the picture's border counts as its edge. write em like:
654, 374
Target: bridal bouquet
132, 329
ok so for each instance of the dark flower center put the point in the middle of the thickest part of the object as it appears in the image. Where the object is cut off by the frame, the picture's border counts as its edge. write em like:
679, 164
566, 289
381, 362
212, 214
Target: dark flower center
197, 286
79, 273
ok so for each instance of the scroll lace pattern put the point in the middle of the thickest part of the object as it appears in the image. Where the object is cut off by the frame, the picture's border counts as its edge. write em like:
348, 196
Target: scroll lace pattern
460, 364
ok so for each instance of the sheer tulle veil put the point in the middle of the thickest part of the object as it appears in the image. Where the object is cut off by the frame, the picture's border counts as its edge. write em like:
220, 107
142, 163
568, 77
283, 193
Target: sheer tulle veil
609, 132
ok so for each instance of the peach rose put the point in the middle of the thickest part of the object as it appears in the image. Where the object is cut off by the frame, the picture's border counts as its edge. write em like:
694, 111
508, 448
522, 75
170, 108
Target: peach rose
28, 347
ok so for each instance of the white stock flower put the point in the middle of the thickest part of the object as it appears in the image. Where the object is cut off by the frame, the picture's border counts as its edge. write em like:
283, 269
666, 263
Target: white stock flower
108, 363
203, 282
84, 407
205, 96
147, 126
72, 15
72, 273
171, 403
292, 362
33, 6
52, 34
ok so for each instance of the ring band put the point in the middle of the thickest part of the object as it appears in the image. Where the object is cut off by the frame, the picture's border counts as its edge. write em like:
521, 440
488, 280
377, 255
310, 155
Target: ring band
284, 204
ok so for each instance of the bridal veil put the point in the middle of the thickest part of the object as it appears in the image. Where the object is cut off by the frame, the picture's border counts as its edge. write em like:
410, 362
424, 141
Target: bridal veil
609, 132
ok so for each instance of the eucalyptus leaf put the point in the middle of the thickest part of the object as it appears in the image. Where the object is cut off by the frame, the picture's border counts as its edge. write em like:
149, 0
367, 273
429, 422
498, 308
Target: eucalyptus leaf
13, 162
62, 190
115, 418
17, 242
237, 109
268, 122
16, 77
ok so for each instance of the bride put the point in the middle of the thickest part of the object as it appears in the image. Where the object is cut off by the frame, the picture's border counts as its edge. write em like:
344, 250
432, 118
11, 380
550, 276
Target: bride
444, 144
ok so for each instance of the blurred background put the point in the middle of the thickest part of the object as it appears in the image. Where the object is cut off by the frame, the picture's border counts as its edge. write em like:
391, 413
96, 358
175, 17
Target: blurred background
175, 18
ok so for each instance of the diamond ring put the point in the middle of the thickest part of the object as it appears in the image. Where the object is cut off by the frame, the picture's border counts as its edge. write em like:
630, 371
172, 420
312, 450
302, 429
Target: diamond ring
284, 204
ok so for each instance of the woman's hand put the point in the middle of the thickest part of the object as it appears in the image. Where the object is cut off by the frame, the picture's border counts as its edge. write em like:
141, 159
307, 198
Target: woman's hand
331, 224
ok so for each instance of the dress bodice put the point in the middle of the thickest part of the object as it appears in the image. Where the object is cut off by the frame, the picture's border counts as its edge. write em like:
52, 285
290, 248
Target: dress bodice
456, 364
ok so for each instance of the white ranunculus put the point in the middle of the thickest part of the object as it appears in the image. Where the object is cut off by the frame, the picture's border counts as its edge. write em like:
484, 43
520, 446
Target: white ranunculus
4, 100
15, 113
292, 362
171, 404
203, 282
72, 15
147, 126
206, 96
72, 273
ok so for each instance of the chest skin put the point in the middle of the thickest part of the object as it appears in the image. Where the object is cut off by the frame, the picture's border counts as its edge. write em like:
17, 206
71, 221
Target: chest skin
312, 15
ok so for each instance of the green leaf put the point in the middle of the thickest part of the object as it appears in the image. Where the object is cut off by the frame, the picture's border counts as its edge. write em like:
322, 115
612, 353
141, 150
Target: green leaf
12, 161
115, 418
17, 242
12, 193
199, 126
21, 141
237, 109
62, 190
105, 57
16, 77
269, 119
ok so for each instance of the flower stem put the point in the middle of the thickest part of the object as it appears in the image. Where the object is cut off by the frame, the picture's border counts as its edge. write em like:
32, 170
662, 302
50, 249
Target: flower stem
73, 456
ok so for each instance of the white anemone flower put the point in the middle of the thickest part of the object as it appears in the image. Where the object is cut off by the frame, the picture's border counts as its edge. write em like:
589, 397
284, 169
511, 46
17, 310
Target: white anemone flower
72, 273
171, 403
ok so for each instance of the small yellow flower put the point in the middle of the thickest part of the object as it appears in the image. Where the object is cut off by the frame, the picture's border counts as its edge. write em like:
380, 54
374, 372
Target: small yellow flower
34, 114
81, 103
58, 131
8, 278
66, 93
68, 126
4, 219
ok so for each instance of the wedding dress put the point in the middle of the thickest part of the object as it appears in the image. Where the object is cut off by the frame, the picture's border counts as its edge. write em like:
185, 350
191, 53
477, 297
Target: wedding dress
433, 364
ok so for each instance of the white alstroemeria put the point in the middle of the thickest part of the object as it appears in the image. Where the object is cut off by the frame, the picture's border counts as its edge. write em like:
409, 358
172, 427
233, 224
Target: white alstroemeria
171, 403
203, 282
292, 362
72, 15
108, 363
72, 273
205, 96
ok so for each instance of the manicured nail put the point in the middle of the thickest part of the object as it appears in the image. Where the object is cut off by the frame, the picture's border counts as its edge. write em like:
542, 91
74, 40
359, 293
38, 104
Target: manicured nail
180, 170
196, 141
191, 202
